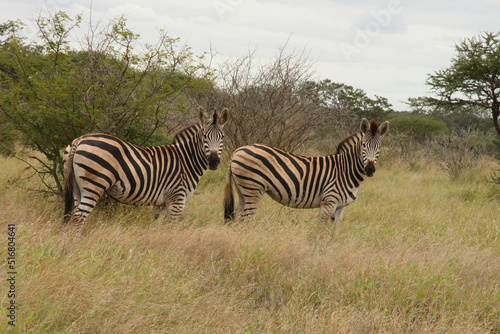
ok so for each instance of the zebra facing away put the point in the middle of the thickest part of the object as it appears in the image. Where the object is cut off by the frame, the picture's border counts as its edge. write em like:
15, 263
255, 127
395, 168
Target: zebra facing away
329, 183
164, 176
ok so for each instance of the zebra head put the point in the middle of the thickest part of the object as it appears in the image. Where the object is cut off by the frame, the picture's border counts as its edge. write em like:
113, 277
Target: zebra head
213, 135
372, 133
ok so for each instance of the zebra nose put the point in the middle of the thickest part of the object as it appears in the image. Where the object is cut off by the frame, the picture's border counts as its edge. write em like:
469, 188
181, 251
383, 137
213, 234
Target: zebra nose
213, 160
370, 168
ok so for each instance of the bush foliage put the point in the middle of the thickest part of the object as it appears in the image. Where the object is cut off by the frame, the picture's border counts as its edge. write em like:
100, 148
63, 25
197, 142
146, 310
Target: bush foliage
419, 127
53, 93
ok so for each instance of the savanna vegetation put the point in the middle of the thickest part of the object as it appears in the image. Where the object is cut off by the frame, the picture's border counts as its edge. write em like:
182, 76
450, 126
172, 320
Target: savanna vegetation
417, 252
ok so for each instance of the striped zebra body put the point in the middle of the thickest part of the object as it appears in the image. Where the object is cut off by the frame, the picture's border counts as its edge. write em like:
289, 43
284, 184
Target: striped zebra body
163, 176
329, 183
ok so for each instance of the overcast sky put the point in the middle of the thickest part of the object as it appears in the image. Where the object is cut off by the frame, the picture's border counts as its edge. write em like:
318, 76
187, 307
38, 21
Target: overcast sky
385, 47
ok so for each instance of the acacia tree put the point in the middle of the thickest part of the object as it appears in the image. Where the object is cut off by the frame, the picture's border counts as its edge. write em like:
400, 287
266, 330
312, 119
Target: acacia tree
473, 79
53, 93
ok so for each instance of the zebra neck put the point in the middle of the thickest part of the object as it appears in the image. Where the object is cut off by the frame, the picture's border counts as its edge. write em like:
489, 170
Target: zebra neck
194, 160
351, 164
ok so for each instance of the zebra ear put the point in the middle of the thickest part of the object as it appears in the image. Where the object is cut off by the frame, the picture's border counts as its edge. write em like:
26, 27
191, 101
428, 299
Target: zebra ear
384, 128
224, 116
202, 114
365, 126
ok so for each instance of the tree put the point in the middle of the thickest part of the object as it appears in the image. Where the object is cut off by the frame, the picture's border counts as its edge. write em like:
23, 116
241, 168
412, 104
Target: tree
346, 104
267, 101
338, 96
52, 93
473, 79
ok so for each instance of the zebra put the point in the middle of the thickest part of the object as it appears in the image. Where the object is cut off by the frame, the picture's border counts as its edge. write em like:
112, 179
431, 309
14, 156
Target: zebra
163, 176
329, 183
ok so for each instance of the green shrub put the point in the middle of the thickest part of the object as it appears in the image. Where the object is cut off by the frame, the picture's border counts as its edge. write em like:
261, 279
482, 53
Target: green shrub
421, 128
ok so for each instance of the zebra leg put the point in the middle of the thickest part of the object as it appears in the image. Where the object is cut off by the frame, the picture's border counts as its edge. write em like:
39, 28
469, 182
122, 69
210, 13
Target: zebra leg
241, 202
326, 211
85, 202
337, 215
248, 198
79, 217
248, 203
172, 209
77, 197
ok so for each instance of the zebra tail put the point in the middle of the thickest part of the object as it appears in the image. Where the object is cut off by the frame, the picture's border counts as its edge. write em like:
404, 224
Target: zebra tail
228, 196
69, 177
68, 194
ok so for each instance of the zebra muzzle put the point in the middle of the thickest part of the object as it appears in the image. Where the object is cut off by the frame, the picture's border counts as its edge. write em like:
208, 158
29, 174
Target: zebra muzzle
213, 160
370, 168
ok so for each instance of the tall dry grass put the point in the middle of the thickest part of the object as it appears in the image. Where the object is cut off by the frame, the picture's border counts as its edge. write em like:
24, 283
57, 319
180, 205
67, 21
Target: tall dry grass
416, 253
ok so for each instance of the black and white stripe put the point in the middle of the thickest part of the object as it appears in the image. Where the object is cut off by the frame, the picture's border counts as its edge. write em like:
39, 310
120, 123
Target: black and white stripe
329, 183
164, 176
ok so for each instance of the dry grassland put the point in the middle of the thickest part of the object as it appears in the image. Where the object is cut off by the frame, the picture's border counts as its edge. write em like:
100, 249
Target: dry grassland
416, 253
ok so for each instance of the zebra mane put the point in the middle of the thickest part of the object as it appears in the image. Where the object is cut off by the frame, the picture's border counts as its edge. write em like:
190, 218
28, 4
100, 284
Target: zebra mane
186, 133
344, 144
